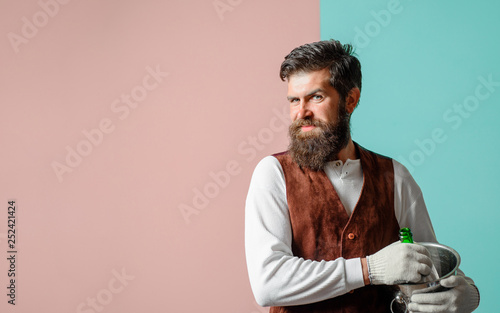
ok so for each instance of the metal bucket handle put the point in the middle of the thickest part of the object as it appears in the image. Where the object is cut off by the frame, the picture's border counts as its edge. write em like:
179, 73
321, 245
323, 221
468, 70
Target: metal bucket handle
401, 299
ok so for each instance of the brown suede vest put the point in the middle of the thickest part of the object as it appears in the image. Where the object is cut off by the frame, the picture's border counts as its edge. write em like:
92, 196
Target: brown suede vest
322, 229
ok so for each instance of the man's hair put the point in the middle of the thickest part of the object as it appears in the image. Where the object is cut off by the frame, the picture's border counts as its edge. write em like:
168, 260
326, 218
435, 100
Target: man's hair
345, 69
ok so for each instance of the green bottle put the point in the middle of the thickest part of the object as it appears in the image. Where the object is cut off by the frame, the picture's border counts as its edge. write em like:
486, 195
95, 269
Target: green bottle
405, 235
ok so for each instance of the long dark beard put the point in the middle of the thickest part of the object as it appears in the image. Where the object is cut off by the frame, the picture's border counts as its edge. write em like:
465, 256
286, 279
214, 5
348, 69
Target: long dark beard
313, 149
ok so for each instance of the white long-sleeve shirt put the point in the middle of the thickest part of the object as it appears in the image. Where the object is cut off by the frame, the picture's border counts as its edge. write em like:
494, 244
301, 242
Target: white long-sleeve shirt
277, 277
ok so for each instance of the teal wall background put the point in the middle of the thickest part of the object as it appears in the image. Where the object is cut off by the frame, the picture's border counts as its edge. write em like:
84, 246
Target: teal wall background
431, 99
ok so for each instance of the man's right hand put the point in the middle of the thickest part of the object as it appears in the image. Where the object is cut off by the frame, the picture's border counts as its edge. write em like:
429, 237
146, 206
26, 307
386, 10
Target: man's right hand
399, 263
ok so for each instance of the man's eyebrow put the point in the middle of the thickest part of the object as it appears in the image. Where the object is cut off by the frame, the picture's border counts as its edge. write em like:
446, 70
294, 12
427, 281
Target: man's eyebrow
315, 91
309, 94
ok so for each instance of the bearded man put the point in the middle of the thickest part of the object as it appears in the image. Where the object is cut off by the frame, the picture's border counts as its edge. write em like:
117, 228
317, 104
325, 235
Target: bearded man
322, 218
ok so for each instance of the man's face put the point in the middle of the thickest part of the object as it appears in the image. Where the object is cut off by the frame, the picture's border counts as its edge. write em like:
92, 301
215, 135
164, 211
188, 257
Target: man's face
312, 97
320, 122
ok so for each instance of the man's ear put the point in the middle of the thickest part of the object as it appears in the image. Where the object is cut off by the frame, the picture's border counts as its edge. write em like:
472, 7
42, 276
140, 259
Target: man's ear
352, 99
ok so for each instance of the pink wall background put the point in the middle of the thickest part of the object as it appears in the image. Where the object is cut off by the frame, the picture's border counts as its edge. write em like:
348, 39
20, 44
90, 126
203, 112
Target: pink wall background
102, 231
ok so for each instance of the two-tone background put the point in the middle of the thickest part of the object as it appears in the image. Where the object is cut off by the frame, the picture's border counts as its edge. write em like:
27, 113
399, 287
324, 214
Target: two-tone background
129, 131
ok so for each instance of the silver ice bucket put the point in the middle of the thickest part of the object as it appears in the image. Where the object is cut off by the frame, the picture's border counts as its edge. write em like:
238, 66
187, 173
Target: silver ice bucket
446, 261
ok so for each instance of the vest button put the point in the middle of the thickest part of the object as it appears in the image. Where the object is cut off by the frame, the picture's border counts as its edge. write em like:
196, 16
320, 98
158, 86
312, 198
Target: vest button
352, 291
351, 236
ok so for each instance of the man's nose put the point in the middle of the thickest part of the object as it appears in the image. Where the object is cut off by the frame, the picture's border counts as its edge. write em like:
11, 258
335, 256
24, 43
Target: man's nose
304, 111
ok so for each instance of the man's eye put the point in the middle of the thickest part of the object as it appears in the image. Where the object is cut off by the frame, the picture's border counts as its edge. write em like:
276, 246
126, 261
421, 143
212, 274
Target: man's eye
317, 97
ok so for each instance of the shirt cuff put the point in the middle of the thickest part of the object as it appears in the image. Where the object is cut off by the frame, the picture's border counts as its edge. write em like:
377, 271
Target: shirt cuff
354, 274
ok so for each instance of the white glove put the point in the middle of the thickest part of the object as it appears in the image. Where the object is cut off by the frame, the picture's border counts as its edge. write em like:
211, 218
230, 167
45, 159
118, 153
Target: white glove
462, 298
399, 263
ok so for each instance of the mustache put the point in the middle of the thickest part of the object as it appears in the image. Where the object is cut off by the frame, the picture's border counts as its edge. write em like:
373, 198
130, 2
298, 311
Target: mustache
307, 122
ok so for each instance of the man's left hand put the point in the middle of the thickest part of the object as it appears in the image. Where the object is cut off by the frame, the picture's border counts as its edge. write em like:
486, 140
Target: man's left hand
461, 298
